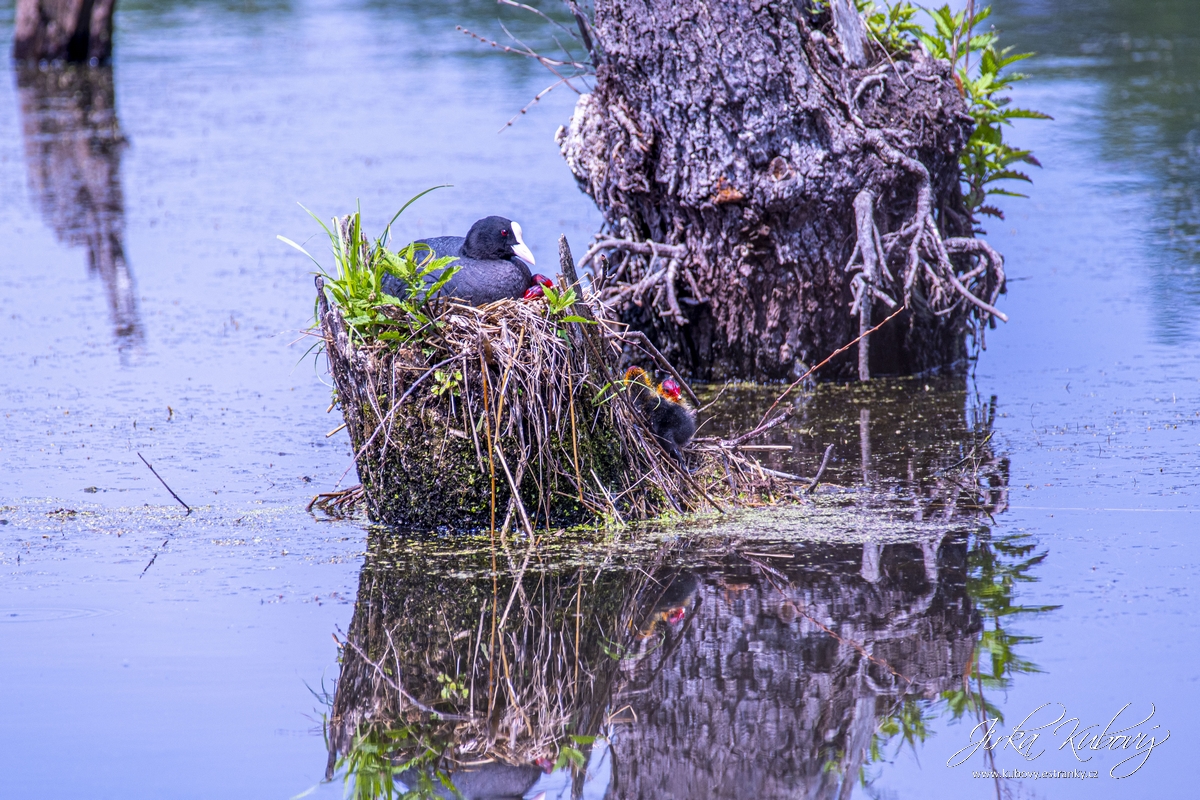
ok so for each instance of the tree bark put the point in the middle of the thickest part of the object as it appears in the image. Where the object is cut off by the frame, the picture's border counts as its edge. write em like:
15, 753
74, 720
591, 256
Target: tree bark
64, 30
740, 134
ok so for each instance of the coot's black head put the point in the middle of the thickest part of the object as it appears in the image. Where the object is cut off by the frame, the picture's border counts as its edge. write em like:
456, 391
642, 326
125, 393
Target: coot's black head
496, 238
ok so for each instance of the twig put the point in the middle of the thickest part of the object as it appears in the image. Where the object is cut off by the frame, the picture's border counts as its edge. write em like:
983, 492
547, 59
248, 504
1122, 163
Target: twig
546, 62
153, 558
592, 339
533, 10
647, 248
168, 488
765, 447
417, 382
713, 402
338, 501
585, 27
829, 358
761, 429
774, 473
536, 99
820, 471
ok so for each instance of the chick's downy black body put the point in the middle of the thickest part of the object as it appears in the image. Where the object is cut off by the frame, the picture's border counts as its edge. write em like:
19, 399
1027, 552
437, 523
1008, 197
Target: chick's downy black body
669, 419
488, 260
671, 422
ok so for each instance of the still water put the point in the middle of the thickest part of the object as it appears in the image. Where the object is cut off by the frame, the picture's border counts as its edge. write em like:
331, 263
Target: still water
1021, 539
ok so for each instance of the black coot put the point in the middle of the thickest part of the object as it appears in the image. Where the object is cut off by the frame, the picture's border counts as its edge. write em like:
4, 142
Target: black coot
489, 263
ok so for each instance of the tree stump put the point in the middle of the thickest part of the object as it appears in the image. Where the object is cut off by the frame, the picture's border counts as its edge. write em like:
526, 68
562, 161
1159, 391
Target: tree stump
64, 30
727, 145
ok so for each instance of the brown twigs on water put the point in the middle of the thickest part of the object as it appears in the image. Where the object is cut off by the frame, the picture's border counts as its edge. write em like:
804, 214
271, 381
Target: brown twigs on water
337, 503
168, 488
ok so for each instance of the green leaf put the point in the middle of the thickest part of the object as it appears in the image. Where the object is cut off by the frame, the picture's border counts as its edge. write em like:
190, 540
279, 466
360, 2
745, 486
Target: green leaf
412, 200
1025, 113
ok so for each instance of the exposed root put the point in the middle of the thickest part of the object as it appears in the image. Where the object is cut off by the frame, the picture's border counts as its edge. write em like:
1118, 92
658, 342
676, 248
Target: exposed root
928, 269
865, 285
646, 248
906, 244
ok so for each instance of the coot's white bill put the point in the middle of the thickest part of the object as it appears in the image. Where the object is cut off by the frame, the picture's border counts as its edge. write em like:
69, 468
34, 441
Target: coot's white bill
519, 248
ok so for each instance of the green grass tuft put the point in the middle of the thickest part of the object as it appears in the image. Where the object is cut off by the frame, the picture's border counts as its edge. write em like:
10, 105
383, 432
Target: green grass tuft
355, 286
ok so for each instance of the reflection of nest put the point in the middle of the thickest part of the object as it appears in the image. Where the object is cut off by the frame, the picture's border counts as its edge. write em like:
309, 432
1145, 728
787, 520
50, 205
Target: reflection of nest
747, 679
500, 671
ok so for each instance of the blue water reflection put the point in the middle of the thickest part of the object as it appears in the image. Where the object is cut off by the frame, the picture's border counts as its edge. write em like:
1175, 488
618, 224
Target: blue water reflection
1142, 61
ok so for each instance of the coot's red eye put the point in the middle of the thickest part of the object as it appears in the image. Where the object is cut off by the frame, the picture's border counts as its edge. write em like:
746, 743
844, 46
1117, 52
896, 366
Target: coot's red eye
504, 233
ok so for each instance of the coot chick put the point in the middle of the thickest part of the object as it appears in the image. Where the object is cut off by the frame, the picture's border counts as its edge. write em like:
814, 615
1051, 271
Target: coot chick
538, 289
489, 263
669, 418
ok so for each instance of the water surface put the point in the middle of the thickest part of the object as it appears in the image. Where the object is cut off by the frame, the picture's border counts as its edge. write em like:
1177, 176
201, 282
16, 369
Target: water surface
1035, 522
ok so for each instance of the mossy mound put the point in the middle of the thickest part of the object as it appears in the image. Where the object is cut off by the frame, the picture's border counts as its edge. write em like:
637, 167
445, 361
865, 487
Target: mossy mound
511, 415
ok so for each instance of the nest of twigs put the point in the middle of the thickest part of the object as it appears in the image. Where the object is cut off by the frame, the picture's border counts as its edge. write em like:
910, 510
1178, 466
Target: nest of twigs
513, 415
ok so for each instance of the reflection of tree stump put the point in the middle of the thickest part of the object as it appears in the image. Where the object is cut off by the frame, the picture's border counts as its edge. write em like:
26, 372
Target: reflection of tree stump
766, 687
64, 30
769, 166
73, 146
741, 680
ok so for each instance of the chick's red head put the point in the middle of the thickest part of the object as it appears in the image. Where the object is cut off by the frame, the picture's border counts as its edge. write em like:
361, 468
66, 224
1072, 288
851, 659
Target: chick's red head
671, 390
534, 292
543, 280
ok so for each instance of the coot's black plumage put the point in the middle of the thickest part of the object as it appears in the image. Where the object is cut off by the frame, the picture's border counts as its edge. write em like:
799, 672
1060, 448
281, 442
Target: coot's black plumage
489, 263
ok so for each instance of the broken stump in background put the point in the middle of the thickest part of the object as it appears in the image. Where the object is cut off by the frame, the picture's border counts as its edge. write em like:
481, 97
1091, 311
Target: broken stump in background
64, 30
